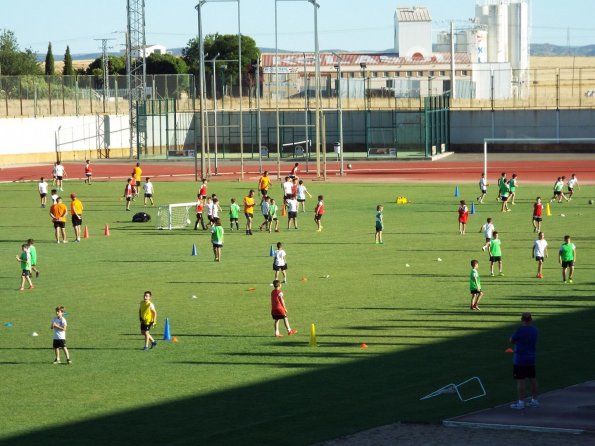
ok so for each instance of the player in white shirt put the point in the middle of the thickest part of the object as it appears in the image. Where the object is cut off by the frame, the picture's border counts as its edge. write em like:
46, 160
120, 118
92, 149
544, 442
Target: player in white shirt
148, 189
279, 262
209, 207
287, 187
292, 211
301, 194
539, 252
488, 230
216, 209
42, 187
483, 188
572, 183
60, 174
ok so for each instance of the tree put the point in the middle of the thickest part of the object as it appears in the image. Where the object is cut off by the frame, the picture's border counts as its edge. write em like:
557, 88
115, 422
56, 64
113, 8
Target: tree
68, 70
49, 62
165, 64
116, 65
13, 61
227, 47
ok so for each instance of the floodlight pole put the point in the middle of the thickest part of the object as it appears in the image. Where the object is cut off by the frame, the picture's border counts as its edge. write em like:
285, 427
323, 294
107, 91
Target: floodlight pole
340, 108
202, 88
317, 76
213, 60
258, 122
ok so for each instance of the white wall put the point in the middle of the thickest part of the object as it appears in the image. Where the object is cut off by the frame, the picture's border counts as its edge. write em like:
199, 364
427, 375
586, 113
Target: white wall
23, 136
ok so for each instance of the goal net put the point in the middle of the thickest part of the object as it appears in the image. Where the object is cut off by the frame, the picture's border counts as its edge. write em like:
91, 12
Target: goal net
175, 216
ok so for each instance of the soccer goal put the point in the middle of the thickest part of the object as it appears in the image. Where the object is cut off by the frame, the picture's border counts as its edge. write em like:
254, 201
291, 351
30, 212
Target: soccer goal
175, 216
541, 145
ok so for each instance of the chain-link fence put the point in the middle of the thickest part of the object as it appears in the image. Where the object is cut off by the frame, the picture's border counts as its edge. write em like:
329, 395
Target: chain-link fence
84, 95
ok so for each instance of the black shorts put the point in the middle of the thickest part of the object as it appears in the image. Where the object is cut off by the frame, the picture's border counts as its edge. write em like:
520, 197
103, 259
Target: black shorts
76, 221
539, 259
128, 198
379, 227
475, 292
495, 258
568, 264
287, 196
503, 198
483, 191
523, 371
25, 273
278, 317
88, 174
292, 215
148, 195
59, 343
59, 224
217, 245
557, 192
43, 195
264, 192
318, 217
537, 218
145, 327
232, 219
59, 177
279, 268
301, 200
570, 189
248, 216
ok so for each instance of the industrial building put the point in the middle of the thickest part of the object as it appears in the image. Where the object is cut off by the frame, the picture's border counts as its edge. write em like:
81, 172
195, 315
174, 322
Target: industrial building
489, 58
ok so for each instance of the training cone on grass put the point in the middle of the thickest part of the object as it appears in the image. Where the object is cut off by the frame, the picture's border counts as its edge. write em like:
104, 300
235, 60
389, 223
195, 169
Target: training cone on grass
548, 211
194, 251
166, 333
272, 251
106, 230
457, 190
312, 336
473, 207
363, 345
174, 339
283, 212
509, 350
86, 233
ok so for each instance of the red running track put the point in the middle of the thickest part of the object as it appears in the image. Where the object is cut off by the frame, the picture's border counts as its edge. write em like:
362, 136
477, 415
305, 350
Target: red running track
543, 171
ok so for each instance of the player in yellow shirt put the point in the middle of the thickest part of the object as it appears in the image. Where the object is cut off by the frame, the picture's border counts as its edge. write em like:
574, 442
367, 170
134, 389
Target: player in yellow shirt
136, 174
58, 212
148, 319
76, 215
249, 211
264, 183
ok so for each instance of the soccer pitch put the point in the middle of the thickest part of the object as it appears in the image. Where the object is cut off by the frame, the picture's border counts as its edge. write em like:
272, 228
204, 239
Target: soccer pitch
227, 379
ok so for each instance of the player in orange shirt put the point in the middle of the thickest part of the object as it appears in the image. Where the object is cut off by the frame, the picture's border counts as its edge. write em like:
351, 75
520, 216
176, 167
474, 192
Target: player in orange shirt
249, 211
264, 183
58, 212
76, 215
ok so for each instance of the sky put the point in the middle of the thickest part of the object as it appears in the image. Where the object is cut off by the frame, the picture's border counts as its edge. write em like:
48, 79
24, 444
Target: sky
349, 25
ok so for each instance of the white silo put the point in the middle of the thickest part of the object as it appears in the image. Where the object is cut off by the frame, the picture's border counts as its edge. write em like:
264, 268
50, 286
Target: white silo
443, 42
477, 39
461, 42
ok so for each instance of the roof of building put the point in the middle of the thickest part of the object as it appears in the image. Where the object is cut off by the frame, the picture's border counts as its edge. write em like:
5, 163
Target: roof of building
413, 14
296, 60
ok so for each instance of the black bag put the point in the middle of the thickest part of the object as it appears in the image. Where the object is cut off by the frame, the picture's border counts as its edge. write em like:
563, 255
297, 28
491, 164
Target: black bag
141, 217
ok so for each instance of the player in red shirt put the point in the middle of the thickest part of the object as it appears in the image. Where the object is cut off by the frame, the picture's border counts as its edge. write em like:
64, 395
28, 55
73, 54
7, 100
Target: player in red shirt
537, 214
202, 193
463, 217
128, 193
278, 310
294, 171
199, 208
319, 212
88, 172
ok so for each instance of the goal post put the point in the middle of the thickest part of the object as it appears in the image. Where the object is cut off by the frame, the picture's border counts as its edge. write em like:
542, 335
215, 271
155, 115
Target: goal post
175, 216
559, 144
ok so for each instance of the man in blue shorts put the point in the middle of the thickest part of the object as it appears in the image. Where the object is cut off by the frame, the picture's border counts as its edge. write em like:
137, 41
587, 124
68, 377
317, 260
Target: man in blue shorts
525, 345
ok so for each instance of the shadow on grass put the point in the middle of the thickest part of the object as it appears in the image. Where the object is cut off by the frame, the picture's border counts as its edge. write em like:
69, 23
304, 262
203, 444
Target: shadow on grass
326, 401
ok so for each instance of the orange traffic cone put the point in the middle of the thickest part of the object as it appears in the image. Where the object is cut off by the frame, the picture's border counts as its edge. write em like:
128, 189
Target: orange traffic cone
86, 233
106, 230
283, 213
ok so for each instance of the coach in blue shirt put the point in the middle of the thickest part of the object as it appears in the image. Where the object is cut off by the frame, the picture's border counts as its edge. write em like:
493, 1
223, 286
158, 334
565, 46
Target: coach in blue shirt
525, 346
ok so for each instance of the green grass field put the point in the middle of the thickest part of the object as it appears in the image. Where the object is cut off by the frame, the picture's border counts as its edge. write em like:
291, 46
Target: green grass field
228, 380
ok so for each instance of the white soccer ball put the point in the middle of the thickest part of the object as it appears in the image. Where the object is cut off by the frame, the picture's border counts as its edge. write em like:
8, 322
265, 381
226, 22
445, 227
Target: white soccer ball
439, 259
193, 297
349, 166
406, 265
188, 221
562, 215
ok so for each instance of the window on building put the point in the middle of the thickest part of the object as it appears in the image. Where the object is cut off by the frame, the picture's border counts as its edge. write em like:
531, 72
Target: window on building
464, 73
432, 73
420, 74
386, 74
442, 73
409, 73
397, 74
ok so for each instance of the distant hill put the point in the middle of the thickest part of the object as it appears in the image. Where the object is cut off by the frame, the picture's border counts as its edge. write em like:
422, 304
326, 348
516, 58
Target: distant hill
537, 49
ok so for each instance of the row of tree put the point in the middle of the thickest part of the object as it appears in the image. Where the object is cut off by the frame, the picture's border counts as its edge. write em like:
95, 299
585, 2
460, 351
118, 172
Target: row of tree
14, 61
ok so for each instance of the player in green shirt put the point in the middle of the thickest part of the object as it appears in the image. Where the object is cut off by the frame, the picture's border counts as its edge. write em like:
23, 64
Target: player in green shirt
33, 254
217, 238
234, 212
273, 208
513, 183
475, 286
25, 260
567, 257
495, 253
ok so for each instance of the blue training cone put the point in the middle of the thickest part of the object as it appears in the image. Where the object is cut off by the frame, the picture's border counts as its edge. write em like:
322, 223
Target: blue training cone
166, 333
457, 190
194, 252
473, 207
272, 252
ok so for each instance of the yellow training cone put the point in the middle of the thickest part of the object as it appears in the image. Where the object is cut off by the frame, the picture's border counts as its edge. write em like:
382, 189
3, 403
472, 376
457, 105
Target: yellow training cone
312, 336
548, 211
